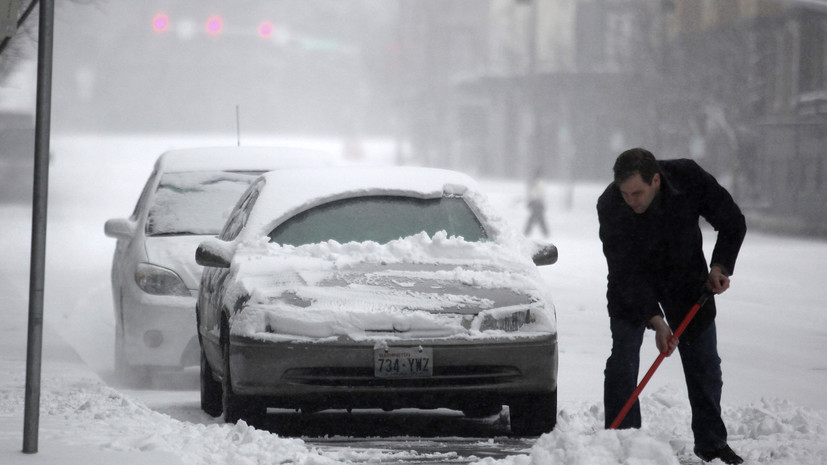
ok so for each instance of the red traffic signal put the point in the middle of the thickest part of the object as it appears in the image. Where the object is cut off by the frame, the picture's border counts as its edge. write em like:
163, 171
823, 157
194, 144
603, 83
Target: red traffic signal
214, 25
160, 22
266, 29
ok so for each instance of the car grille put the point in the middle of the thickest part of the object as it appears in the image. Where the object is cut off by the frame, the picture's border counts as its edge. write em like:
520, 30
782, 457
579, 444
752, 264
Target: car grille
364, 377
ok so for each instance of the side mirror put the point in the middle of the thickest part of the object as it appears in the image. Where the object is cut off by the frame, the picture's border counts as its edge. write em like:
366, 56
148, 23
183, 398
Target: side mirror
215, 253
546, 254
120, 228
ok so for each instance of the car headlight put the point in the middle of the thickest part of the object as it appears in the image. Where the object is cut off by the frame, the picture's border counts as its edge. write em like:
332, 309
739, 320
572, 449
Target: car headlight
511, 321
156, 280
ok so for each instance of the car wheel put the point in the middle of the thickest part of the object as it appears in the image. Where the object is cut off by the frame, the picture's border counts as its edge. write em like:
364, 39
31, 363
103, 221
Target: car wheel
533, 415
211, 390
236, 407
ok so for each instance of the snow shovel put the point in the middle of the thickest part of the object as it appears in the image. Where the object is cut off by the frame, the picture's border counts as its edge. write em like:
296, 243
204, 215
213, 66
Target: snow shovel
628, 406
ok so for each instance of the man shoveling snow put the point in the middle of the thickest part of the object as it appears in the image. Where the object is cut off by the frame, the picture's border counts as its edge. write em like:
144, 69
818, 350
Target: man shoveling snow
654, 250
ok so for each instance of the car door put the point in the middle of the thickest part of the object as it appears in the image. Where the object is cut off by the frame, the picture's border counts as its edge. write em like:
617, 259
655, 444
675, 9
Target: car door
214, 280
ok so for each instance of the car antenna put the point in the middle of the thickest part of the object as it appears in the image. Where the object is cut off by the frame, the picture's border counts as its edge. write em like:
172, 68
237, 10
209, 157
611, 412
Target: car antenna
237, 126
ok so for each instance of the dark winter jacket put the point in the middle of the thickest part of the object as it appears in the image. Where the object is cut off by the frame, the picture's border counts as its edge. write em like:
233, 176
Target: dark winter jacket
656, 257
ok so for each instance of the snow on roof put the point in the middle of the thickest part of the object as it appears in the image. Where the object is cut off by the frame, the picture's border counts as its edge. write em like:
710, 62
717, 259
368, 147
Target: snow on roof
240, 158
286, 193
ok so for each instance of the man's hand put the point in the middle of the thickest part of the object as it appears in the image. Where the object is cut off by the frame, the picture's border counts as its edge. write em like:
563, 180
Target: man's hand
663, 334
717, 281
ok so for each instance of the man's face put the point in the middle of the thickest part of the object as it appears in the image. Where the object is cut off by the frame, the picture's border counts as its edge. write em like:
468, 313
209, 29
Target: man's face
637, 194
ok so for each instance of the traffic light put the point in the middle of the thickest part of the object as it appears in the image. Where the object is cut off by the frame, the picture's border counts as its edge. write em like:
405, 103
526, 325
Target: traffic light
214, 25
160, 23
265, 29
186, 27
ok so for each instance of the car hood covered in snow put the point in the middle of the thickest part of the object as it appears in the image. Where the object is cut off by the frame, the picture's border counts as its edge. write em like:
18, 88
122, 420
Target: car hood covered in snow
419, 286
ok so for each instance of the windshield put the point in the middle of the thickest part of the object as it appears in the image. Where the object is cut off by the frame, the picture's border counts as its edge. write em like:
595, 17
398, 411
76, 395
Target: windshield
195, 202
380, 219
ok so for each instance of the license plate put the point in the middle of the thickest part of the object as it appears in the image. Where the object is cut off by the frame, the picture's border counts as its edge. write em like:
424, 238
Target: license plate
403, 362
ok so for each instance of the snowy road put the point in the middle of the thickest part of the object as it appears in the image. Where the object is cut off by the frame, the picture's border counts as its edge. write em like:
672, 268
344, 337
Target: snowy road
440, 436
437, 436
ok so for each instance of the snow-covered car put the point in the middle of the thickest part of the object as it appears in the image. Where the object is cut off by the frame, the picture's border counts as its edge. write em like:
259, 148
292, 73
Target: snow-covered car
361, 287
154, 275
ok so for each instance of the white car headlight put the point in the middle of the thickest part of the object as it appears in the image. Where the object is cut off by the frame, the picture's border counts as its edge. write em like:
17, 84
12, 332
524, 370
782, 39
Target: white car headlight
156, 280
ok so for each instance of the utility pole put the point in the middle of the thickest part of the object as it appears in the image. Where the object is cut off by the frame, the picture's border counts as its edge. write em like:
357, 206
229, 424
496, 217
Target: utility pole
39, 206
535, 158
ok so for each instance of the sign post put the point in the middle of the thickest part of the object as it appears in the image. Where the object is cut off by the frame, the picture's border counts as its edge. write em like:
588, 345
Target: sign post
31, 420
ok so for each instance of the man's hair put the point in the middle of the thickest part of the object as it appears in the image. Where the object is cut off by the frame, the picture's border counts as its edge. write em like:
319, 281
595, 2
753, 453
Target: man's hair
636, 160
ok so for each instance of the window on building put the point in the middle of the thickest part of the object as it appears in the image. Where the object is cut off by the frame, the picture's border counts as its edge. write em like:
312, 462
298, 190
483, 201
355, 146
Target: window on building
812, 56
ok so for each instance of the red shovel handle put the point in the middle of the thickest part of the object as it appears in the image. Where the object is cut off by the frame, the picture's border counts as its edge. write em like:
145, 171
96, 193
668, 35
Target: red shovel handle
629, 403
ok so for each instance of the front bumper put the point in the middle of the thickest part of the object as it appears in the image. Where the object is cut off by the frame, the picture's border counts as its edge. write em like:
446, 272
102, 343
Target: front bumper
159, 331
341, 374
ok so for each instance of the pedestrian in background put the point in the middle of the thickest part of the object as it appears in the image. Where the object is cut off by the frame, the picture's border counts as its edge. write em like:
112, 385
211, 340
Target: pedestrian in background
654, 250
536, 202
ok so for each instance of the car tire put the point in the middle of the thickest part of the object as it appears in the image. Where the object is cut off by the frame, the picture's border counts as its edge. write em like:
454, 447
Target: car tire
236, 407
534, 414
211, 390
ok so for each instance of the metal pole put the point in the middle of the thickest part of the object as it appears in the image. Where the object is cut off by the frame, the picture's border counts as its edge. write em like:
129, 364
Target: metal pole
535, 157
237, 126
39, 205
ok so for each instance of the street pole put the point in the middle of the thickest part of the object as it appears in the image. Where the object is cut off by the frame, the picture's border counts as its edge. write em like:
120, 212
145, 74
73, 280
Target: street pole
39, 206
535, 156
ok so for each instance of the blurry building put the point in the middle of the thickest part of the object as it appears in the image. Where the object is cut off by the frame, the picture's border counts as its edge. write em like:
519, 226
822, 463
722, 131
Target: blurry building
509, 87
581, 74
437, 44
524, 85
754, 74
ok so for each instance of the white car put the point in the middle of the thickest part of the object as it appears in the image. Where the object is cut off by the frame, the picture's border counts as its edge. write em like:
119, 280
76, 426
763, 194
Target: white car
369, 287
155, 279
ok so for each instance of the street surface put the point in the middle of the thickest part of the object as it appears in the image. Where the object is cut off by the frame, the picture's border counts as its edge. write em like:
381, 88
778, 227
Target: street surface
438, 436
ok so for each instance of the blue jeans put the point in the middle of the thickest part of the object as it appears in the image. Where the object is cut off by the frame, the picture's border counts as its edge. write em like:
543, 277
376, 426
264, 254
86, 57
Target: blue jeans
701, 368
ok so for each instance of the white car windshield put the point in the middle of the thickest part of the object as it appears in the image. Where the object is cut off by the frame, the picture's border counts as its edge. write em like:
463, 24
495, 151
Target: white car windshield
195, 202
380, 219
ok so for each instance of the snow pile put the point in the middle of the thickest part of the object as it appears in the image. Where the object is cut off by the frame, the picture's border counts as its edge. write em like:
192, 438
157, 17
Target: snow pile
436, 284
779, 432
419, 248
84, 414
631, 447
89, 413
579, 439
772, 432
83, 421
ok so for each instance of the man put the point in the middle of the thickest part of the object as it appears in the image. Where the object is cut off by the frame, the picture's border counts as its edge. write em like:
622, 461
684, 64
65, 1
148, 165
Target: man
536, 205
654, 250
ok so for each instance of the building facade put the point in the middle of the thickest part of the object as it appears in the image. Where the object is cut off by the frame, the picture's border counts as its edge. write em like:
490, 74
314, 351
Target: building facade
511, 87
761, 101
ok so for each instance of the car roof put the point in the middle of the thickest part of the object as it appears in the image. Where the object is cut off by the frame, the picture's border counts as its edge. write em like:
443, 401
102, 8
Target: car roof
286, 193
240, 158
